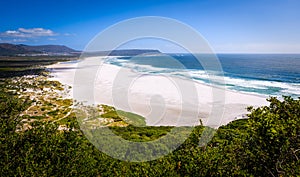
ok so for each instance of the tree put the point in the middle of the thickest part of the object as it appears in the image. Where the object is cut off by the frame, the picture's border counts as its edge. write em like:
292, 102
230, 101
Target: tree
273, 142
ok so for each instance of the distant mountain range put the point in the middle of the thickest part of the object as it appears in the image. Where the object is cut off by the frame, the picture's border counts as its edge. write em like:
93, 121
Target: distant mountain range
7, 49
123, 52
21, 49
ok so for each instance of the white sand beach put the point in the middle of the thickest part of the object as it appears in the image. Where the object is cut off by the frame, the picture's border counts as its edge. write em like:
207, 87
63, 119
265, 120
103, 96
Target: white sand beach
161, 99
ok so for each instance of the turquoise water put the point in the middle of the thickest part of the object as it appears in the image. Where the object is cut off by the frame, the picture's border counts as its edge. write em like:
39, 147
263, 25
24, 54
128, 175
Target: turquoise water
263, 74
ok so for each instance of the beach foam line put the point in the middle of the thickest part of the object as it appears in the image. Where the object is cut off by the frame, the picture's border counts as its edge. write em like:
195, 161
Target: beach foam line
161, 99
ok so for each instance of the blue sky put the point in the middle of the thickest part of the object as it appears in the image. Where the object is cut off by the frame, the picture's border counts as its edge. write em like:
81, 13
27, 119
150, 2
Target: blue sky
230, 26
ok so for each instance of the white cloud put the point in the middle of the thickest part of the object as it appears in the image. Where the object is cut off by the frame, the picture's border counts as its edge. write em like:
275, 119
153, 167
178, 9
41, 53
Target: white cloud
12, 33
28, 33
37, 31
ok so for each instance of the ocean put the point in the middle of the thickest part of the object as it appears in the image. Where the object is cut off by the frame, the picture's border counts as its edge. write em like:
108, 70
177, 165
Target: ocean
259, 74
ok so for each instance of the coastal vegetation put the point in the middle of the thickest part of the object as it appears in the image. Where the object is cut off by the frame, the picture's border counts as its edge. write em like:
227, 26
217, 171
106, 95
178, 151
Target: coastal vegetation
266, 144
40, 135
12, 66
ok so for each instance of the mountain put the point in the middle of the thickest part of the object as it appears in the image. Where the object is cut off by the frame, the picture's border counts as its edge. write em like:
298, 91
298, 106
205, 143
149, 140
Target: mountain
7, 49
21, 49
123, 52
132, 52
11, 49
50, 48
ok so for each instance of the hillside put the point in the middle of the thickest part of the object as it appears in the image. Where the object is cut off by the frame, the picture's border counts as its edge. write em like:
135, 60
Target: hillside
7, 49
21, 49
123, 52
132, 52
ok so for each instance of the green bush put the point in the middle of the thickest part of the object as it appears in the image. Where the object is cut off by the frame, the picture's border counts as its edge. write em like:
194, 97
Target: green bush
266, 144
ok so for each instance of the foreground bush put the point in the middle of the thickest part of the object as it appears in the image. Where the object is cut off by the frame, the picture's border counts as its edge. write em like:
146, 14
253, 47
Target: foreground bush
266, 144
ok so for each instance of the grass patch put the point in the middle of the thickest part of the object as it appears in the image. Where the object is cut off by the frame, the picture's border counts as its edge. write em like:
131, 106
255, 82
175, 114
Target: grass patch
132, 118
140, 134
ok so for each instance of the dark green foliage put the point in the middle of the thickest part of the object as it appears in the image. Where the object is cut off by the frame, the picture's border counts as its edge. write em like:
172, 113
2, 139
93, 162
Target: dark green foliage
21, 66
266, 144
273, 142
140, 134
10, 108
42, 150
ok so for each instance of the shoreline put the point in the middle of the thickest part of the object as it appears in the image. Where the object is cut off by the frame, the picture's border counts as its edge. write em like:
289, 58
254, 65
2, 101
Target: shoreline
147, 91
